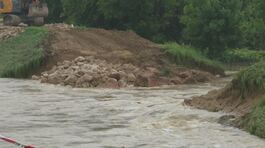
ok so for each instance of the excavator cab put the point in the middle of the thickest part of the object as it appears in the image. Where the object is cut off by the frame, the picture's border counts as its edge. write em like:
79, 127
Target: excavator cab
30, 12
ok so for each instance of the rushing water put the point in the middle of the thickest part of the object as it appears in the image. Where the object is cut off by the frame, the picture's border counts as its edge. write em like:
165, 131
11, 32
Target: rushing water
57, 117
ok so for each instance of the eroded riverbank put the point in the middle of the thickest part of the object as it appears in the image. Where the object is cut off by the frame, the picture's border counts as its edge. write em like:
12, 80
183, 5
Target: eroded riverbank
55, 117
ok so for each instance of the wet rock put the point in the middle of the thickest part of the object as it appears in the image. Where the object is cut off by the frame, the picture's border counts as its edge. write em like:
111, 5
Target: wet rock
141, 81
184, 75
84, 81
87, 72
122, 83
153, 82
227, 120
55, 78
176, 81
44, 80
189, 80
203, 76
110, 83
131, 77
115, 75
34, 77
71, 80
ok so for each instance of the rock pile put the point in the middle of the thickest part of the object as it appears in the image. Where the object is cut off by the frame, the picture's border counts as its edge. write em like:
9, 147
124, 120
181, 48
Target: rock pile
8, 32
87, 72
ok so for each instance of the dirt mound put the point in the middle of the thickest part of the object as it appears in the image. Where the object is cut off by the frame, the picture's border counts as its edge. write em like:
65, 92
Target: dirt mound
109, 45
227, 99
8, 32
113, 48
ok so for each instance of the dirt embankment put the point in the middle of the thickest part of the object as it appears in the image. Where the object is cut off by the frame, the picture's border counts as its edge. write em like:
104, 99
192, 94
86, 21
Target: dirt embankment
109, 58
229, 100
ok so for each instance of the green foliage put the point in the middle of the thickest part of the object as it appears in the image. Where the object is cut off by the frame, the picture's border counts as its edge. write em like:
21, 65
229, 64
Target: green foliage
20, 55
255, 121
157, 20
55, 11
191, 57
212, 24
253, 25
251, 80
242, 56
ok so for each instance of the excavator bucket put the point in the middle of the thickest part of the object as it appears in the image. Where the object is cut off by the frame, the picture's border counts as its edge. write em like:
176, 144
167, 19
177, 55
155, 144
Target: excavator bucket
40, 10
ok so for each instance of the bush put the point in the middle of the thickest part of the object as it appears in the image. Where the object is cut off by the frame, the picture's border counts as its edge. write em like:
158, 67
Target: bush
242, 56
188, 56
21, 54
251, 80
211, 24
255, 121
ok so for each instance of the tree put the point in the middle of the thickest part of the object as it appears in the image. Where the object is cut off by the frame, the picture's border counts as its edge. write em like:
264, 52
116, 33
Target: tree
55, 11
212, 24
157, 20
253, 24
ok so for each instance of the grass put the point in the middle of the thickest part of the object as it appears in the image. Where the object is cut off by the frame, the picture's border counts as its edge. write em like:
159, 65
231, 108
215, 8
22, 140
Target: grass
243, 56
188, 56
251, 80
255, 121
22, 54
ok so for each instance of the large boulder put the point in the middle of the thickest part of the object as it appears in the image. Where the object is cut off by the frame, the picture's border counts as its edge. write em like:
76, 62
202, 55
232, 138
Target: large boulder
110, 83
71, 80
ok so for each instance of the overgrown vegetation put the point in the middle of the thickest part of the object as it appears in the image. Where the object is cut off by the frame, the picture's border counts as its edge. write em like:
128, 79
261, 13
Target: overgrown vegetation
22, 54
251, 80
191, 57
214, 26
255, 121
242, 56
211, 24
157, 19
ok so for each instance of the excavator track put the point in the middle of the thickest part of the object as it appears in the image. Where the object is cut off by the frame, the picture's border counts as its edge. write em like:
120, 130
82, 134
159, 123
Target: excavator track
11, 20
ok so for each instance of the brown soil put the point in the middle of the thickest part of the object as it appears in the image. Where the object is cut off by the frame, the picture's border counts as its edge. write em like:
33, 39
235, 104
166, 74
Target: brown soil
112, 46
116, 47
227, 99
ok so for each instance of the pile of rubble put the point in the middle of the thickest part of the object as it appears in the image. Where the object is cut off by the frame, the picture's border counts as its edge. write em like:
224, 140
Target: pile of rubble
8, 32
88, 72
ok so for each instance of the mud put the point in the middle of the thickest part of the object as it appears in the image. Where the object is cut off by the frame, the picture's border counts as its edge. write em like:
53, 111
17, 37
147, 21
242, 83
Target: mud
226, 99
152, 66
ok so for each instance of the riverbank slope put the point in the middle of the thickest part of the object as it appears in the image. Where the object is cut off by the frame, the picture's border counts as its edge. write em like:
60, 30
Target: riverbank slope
243, 97
88, 57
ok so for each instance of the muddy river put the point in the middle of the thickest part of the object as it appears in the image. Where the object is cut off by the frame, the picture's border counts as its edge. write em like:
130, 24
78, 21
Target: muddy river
49, 116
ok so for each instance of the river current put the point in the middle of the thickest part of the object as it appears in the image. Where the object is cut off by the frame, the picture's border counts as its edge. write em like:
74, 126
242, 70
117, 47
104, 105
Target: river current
49, 116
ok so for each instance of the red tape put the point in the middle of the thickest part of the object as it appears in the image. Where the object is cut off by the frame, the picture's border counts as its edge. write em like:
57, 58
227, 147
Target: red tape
14, 142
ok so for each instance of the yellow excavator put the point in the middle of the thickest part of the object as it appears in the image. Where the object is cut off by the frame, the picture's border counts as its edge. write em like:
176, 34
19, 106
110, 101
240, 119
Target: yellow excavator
31, 12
